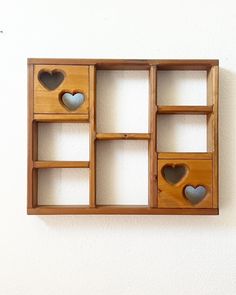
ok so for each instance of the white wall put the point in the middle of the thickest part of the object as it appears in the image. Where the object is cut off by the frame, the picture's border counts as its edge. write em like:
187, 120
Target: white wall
113, 254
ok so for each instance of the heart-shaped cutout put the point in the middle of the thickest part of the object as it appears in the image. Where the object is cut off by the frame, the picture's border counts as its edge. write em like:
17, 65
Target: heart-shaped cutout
195, 194
51, 79
72, 101
174, 173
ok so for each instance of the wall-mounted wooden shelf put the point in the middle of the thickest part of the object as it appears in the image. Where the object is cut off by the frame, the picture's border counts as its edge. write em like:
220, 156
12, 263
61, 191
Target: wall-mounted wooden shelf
178, 183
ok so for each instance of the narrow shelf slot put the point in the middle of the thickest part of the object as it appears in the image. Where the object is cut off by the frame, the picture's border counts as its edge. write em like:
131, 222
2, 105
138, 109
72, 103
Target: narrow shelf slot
61, 164
191, 110
123, 136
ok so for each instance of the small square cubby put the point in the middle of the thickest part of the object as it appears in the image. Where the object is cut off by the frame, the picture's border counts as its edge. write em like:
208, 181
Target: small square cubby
122, 172
182, 88
61, 89
66, 186
185, 183
182, 133
122, 101
63, 142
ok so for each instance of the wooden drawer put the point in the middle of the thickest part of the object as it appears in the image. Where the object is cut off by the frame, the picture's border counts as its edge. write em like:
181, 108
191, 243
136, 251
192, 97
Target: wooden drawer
181, 183
52, 81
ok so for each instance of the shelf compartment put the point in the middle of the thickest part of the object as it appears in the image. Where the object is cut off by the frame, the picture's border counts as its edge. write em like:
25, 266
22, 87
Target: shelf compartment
123, 136
60, 164
63, 186
118, 166
173, 128
59, 118
191, 110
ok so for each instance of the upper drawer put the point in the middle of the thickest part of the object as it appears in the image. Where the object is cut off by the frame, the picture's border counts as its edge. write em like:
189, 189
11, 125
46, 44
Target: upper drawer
61, 89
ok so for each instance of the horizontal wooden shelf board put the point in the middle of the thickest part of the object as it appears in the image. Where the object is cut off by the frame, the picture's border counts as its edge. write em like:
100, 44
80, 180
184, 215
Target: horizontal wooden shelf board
60, 164
202, 156
123, 136
61, 118
192, 110
132, 64
119, 210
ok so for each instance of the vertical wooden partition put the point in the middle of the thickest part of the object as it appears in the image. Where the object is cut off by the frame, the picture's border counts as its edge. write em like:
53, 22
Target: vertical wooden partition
92, 142
212, 126
153, 185
77, 78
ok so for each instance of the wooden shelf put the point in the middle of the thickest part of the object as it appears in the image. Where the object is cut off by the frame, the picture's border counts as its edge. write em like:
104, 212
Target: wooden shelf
65, 118
123, 136
190, 155
163, 197
191, 110
60, 164
121, 210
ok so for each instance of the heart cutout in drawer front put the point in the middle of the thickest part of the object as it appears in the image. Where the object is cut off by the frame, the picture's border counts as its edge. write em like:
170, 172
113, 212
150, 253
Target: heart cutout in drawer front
195, 194
72, 101
174, 173
51, 79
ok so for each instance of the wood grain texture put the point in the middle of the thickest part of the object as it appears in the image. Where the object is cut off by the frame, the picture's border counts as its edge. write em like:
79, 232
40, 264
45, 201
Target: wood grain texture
123, 136
62, 118
92, 137
152, 153
76, 79
80, 74
199, 172
32, 144
118, 210
60, 164
212, 128
131, 64
189, 110
188, 155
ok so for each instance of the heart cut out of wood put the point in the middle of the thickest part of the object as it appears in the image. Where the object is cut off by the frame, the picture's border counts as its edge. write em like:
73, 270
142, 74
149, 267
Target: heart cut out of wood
195, 194
51, 79
72, 101
174, 173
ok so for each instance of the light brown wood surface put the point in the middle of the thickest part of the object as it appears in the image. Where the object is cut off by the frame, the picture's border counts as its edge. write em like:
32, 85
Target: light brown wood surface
199, 172
60, 164
188, 110
92, 138
164, 198
48, 101
123, 136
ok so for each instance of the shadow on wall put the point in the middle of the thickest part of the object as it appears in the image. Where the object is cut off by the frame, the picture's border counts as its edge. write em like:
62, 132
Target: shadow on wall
227, 135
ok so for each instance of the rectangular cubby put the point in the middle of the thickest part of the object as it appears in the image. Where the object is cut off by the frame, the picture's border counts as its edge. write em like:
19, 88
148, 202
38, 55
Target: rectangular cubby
123, 136
126, 93
182, 88
182, 133
63, 186
63, 142
119, 165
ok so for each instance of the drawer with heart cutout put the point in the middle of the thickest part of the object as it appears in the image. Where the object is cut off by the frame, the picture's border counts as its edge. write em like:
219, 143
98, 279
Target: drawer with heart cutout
185, 183
61, 89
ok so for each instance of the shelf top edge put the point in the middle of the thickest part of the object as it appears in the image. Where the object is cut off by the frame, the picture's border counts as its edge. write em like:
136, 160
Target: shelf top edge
100, 63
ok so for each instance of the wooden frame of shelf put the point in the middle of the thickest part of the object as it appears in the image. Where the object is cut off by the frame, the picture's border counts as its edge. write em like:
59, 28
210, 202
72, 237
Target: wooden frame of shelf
153, 66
